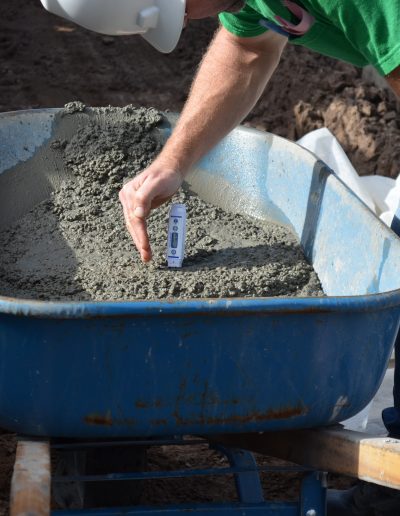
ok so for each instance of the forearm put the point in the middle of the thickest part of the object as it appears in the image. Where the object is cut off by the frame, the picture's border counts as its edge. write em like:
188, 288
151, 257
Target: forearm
229, 82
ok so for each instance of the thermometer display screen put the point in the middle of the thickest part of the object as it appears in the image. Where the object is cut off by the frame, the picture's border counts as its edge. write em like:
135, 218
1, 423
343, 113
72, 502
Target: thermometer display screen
174, 240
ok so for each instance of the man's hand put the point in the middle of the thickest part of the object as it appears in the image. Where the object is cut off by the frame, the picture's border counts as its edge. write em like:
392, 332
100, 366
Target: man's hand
147, 191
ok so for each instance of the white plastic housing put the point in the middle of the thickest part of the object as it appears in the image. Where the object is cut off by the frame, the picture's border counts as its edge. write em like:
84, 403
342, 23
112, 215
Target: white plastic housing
176, 235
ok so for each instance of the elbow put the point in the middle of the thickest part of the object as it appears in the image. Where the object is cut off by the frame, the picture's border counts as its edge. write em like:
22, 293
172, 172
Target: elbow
265, 49
393, 79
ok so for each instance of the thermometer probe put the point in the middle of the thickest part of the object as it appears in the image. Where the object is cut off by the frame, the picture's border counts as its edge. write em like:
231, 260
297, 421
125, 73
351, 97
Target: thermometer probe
176, 235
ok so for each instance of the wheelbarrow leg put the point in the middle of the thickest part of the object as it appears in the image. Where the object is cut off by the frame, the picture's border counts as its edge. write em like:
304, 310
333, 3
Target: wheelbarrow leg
248, 485
31, 480
313, 494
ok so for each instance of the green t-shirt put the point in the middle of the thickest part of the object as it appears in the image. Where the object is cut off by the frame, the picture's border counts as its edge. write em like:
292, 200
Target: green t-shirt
360, 32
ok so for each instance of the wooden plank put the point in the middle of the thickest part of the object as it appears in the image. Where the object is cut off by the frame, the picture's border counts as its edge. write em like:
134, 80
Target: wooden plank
355, 454
30, 485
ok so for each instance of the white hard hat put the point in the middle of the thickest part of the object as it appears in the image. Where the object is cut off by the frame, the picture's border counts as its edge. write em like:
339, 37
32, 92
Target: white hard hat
160, 22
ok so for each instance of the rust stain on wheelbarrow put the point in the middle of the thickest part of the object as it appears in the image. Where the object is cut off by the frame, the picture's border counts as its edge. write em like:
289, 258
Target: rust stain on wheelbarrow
147, 405
269, 415
101, 420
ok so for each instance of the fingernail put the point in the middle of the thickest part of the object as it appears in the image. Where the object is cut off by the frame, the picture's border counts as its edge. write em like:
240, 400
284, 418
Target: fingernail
146, 257
139, 212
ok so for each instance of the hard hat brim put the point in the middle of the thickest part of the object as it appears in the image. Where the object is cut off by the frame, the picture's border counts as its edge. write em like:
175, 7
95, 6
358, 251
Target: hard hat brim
166, 36
119, 18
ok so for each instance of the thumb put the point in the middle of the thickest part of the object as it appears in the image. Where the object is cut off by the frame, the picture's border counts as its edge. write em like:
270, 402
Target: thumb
143, 199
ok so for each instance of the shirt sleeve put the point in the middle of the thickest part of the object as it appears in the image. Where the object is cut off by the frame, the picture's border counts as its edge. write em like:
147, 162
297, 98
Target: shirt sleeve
244, 23
373, 28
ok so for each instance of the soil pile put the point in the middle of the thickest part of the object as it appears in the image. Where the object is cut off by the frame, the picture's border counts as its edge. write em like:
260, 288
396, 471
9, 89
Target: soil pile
75, 246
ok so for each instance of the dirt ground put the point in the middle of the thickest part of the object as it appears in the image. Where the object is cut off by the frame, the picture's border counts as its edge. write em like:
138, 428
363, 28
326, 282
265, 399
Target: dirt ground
46, 62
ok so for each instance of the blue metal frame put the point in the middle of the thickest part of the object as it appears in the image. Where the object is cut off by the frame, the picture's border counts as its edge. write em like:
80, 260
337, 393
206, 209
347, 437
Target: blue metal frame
265, 509
247, 479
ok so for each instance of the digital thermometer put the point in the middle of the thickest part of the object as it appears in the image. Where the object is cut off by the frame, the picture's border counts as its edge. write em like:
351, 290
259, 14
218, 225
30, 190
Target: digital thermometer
176, 235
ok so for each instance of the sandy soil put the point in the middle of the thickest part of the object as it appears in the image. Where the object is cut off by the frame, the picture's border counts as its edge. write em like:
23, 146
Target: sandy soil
46, 62
74, 246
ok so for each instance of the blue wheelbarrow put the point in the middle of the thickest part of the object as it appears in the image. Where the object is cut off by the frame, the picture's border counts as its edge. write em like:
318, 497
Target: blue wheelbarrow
140, 369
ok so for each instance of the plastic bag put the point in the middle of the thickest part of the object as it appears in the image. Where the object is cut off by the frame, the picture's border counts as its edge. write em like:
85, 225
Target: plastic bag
380, 194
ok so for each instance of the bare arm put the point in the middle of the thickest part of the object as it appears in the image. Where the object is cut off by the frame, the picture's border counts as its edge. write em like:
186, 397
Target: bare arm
393, 80
231, 78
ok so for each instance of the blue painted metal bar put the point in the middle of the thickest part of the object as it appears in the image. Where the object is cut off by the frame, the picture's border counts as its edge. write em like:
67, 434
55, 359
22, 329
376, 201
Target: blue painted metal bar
183, 473
248, 483
265, 509
313, 494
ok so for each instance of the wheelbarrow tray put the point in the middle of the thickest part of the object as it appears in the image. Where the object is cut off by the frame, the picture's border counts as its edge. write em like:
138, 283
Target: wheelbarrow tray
148, 368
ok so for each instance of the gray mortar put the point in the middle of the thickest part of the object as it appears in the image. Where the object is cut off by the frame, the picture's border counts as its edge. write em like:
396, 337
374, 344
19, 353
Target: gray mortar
74, 246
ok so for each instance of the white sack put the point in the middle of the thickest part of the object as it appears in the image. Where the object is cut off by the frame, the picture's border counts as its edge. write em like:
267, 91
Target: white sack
380, 194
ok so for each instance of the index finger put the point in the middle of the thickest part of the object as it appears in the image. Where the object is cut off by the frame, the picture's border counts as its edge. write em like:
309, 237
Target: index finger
138, 230
136, 225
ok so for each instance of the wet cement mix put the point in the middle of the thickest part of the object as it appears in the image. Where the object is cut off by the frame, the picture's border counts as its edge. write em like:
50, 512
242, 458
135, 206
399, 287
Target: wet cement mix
75, 246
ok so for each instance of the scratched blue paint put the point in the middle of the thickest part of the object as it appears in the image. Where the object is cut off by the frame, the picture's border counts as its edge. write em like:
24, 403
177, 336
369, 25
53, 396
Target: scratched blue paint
26, 138
230, 365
